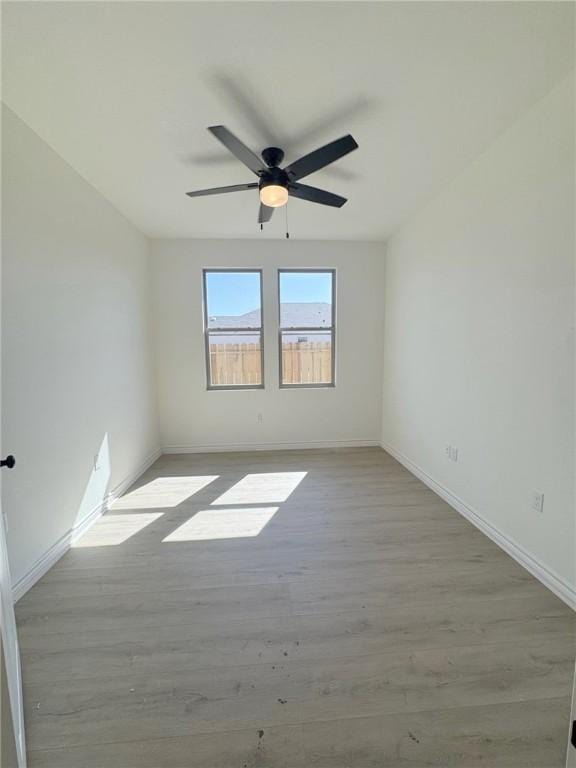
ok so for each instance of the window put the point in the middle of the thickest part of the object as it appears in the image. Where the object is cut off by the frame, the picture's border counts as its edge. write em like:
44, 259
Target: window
233, 328
307, 327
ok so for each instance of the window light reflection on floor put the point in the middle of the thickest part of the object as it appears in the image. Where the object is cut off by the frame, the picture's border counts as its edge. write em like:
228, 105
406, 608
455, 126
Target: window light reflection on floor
265, 488
111, 530
223, 524
163, 492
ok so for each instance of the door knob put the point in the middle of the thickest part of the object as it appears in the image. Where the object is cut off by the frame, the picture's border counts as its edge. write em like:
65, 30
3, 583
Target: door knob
9, 462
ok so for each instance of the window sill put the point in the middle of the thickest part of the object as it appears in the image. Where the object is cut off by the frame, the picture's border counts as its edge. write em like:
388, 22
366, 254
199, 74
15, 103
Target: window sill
235, 388
307, 386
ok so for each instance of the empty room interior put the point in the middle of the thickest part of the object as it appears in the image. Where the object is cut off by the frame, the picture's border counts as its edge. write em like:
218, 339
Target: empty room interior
288, 384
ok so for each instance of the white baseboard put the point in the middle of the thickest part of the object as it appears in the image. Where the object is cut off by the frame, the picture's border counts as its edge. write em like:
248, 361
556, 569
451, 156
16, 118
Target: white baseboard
59, 548
240, 447
555, 583
52, 555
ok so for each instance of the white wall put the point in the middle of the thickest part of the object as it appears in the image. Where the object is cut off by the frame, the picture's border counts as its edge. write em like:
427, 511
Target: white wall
479, 346
77, 371
193, 418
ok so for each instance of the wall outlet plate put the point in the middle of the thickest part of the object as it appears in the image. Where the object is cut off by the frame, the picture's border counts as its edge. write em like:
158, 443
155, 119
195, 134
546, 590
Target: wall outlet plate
537, 502
452, 452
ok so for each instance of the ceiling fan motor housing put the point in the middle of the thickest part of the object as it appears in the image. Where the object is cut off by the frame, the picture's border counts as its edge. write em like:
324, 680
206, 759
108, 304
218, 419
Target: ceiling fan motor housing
272, 156
274, 176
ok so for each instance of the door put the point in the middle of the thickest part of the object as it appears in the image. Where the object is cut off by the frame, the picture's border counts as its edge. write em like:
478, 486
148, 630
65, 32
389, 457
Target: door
12, 743
13, 746
571, 757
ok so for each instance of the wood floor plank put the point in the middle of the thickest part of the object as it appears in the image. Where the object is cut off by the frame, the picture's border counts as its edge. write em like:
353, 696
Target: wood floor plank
167, 574
326, 595
367, 624
519, 735
301, 555
251, 748
60, 614
219, 699
222, 642
528, 734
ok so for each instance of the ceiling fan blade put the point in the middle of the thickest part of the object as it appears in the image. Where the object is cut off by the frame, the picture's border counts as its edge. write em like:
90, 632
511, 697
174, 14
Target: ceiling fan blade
321, 157
314, 195
220, 190
265, 213
237, 148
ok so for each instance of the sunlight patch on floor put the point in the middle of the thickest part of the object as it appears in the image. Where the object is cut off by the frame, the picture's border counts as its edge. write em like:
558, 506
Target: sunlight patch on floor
265, 488
111, 530
223, 524
163, 492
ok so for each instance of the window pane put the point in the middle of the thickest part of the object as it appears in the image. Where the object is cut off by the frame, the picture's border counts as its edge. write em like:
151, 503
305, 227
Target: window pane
306, 357
233, 299
235, 359
305, 299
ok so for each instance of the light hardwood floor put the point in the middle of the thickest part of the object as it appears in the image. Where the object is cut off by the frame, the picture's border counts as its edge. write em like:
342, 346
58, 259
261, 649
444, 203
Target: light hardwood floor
366, 624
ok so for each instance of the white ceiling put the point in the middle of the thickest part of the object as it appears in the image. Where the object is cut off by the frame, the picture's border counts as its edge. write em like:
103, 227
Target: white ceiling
124, 91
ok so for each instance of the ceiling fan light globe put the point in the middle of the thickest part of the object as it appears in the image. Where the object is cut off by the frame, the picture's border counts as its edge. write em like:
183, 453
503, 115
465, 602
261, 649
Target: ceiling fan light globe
273, 195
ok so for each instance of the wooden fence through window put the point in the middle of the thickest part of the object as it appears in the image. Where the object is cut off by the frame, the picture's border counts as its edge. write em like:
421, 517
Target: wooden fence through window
235, 364
241, 364
307, 362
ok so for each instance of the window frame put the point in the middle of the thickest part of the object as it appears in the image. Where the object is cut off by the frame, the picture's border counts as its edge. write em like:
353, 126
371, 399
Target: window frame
332, 330
249, 329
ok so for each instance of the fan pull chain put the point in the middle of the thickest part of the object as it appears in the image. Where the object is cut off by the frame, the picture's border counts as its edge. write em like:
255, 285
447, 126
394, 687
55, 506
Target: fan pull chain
287, 232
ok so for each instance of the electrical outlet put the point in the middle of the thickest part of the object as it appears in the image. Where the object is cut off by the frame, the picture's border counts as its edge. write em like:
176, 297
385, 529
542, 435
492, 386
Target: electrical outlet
259, 418
537, 502
452, 452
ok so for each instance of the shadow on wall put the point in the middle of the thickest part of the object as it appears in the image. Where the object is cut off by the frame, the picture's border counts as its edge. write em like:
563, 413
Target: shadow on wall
31, 552
96, 492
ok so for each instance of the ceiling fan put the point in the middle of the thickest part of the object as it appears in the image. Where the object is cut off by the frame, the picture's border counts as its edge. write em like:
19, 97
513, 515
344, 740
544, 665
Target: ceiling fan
276, 184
